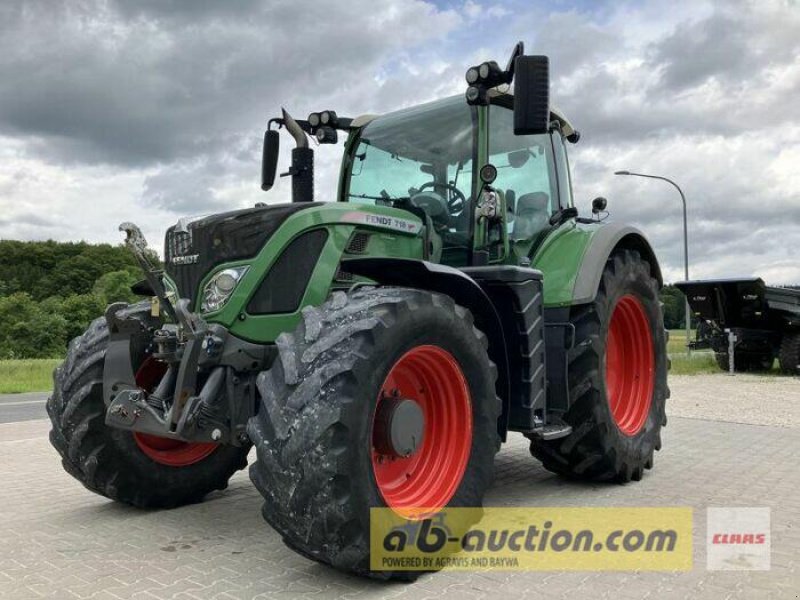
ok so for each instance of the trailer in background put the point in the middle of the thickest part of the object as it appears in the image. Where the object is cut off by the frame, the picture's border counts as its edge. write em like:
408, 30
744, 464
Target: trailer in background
764, 320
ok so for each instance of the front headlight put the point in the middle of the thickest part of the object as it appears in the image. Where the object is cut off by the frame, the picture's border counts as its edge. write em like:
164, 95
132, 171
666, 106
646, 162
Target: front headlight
219, 288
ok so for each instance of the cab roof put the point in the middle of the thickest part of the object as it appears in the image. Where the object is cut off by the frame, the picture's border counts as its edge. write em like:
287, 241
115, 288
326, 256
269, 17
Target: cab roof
502, 92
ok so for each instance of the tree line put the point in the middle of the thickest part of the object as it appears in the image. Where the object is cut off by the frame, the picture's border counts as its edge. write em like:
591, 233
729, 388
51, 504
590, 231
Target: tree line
51, 291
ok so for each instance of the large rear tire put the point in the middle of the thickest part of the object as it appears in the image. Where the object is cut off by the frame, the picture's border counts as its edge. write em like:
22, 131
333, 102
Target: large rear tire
790, 354
144, 471
320, 434
617, 379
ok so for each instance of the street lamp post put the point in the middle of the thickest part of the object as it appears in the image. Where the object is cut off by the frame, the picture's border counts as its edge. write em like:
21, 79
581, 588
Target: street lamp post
685, 242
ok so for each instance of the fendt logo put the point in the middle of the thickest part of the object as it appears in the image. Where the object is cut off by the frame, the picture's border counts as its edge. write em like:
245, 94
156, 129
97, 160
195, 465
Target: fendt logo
189, 259
395, 223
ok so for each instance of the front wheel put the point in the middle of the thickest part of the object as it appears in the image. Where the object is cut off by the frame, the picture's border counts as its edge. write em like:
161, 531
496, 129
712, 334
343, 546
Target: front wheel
382, 397
138, 469
617, 379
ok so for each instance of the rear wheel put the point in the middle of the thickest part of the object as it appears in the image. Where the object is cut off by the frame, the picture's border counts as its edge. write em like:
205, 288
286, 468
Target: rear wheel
381, 397
617, 379
790, 354
138, 469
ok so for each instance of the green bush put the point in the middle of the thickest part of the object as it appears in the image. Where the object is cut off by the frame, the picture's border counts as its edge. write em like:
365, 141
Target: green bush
50, 292
27, 330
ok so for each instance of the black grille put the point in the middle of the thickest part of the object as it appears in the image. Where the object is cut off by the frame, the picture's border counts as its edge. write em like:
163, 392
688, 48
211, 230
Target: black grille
358, 243
284, 285
179, 243
221, 238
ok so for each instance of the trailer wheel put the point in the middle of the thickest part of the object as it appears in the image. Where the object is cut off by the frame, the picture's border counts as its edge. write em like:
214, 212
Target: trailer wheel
723, 362
617, 379
144, 471
790, 354
380, 397
743, 363
761, 363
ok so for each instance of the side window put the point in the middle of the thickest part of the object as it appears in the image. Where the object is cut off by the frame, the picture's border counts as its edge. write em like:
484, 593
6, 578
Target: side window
525, 173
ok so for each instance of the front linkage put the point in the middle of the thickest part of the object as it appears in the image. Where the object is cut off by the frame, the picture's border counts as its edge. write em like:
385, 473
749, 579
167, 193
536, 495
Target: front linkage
207, 391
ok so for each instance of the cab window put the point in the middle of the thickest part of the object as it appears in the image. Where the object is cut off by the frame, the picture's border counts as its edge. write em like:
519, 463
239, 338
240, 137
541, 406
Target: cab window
525, 173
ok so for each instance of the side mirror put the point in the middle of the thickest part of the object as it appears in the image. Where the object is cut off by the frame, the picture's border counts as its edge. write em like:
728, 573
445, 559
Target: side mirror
531, 95
599, 204
269, 158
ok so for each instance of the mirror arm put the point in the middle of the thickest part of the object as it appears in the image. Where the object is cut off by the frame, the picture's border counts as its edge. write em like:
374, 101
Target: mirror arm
563, 215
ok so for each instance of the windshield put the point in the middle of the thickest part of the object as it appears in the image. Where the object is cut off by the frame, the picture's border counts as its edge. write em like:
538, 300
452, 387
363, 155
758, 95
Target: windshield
420, 159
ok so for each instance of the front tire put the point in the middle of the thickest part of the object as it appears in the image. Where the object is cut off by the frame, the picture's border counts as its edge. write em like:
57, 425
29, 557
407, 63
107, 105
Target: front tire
114, 462
319, 435
617, 379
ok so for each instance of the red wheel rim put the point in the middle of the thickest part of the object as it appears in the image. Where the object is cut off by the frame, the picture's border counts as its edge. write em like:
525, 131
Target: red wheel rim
165, 451
630, 365
429, 477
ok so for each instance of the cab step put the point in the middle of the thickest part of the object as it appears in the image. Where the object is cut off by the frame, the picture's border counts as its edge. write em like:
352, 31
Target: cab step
551, 431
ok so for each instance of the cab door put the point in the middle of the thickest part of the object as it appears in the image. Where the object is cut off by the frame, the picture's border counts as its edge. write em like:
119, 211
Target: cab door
533, 176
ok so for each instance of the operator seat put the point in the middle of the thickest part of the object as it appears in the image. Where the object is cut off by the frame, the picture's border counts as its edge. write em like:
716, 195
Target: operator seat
532, 215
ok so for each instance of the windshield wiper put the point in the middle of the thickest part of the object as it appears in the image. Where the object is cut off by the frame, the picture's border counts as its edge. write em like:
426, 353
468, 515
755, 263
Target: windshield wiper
382, 197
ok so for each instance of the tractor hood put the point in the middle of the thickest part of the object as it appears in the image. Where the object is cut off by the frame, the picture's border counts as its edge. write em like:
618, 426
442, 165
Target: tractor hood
195, 246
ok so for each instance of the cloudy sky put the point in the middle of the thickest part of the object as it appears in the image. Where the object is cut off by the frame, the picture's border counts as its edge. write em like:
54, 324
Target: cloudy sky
153, 109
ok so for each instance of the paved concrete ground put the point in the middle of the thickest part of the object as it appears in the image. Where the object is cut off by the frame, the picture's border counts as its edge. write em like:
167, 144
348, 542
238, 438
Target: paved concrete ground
743, 398
61, 541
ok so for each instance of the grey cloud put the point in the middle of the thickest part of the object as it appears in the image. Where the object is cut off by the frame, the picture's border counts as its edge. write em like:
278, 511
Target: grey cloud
98, 88
187, 9
180, 91
715, 47
739, 47
736, 44
30, 219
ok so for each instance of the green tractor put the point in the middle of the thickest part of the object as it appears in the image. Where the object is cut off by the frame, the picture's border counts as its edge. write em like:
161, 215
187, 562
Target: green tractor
376, 351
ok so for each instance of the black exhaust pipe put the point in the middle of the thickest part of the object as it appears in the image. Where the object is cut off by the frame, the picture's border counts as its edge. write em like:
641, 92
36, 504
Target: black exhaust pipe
302, 169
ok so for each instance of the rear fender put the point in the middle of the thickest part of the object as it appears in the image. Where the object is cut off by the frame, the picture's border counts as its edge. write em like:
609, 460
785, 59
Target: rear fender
602, 244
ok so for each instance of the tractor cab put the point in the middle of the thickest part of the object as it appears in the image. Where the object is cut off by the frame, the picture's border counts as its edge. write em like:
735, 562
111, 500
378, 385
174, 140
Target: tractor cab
427, 160
423, 159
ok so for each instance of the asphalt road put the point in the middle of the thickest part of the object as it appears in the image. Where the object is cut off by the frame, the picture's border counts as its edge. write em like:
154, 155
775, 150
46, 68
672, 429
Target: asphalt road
22, 407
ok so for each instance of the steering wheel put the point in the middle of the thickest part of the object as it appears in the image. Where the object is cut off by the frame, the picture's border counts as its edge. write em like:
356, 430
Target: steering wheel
457, 202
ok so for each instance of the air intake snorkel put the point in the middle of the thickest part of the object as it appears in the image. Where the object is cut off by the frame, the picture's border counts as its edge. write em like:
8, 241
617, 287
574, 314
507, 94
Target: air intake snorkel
323, 126
302, 169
